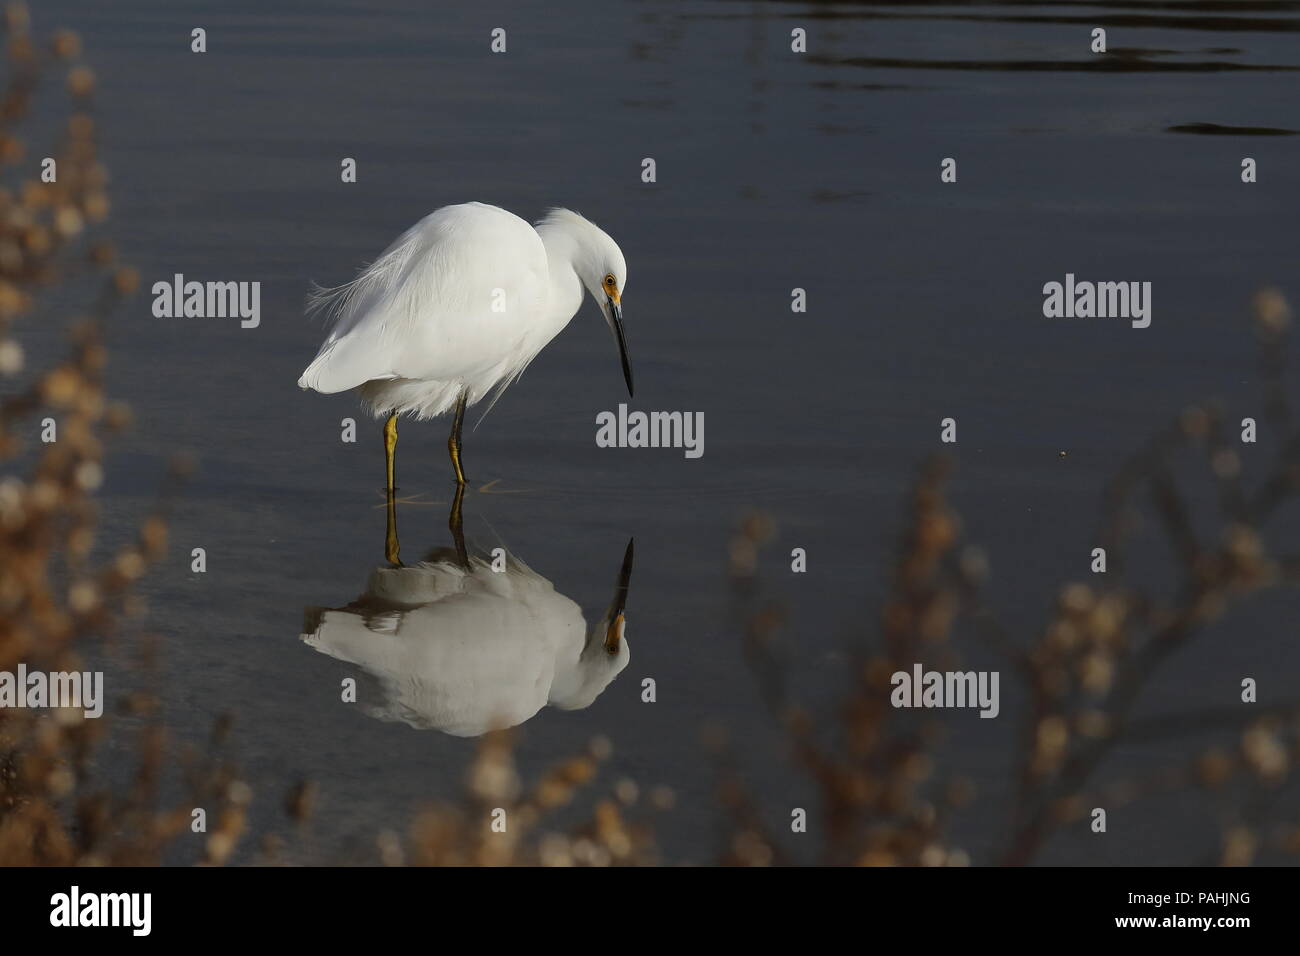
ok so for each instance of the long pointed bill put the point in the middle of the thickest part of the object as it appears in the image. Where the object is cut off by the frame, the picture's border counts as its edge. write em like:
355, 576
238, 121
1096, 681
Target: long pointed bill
614, 631
614, 316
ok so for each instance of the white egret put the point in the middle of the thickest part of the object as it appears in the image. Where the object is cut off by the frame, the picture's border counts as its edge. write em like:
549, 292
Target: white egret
458, 306
462, 648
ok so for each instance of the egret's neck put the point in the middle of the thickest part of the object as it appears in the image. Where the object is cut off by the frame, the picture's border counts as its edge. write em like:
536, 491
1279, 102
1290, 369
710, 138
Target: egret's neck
578, 682
563, 252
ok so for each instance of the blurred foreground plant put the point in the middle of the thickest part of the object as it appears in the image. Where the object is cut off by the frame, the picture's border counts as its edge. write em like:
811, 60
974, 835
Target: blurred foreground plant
876, 768
59, 600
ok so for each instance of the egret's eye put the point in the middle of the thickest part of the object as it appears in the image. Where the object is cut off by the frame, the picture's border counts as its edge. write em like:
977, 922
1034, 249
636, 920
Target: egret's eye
609, 281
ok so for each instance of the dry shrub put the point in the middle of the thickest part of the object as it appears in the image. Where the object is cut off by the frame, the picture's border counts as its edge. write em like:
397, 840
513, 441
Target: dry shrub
61, 599
883, 797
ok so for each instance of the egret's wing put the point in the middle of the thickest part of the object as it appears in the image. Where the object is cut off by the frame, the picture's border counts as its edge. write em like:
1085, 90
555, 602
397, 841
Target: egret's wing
345, 359
457, 291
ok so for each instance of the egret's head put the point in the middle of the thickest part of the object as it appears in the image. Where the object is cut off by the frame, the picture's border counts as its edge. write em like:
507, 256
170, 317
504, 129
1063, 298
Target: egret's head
610, 628
600, 266
604, 652
610, 299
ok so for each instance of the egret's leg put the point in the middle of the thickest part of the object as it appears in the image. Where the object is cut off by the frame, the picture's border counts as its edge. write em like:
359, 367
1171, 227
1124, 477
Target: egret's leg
392, 549
453, 440
456, 525
390, 446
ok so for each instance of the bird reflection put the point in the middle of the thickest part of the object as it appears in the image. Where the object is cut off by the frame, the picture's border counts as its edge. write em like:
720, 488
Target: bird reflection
466, 643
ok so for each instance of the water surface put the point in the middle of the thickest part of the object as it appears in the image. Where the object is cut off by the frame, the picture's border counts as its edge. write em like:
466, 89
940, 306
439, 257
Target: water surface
775, 171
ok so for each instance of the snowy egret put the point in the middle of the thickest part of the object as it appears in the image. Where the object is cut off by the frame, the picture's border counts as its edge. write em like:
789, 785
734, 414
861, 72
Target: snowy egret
465, 649
458, 306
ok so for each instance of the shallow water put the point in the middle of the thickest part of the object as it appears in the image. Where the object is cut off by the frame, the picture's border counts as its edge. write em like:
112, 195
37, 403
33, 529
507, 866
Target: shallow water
775, 171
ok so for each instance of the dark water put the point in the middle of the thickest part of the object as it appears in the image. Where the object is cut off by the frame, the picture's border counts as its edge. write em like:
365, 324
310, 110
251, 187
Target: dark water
775, 171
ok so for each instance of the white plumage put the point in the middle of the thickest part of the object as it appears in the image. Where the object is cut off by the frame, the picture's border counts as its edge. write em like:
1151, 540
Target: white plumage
462, 302
465, 650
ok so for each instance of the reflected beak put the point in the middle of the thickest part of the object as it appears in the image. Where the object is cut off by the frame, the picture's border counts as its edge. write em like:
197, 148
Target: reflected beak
614, 631
614, 316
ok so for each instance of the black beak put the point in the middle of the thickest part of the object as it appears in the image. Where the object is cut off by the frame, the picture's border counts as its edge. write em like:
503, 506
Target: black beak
615, 316
614, 631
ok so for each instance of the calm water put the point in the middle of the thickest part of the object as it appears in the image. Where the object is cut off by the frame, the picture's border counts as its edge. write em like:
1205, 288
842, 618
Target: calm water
775, 171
